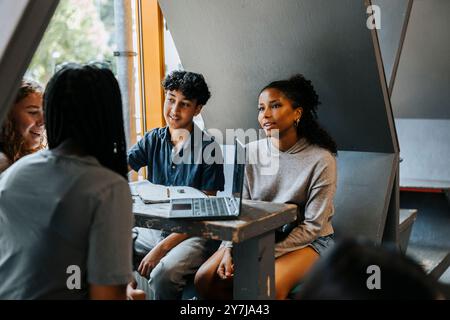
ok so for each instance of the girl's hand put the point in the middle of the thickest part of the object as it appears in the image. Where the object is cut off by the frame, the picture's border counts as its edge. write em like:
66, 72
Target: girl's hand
226, 267
150, 261
133, 293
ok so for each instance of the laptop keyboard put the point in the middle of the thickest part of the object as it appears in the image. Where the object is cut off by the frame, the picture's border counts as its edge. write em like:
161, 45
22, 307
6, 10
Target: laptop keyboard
213, 206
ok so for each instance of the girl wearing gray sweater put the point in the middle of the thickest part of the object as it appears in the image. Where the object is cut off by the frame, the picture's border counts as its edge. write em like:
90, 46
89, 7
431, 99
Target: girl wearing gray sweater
302, 170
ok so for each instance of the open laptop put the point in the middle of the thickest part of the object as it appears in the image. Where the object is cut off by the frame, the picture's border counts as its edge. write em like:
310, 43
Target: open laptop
215, 207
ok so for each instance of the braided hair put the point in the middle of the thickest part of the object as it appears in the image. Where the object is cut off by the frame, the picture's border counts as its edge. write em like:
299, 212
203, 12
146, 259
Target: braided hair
302, 95
83, 103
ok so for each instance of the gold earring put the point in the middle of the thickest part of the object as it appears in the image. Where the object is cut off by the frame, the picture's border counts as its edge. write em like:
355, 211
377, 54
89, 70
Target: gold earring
296, 122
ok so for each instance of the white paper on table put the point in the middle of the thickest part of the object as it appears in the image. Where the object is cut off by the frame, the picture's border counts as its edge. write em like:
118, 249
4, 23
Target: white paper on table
156, 193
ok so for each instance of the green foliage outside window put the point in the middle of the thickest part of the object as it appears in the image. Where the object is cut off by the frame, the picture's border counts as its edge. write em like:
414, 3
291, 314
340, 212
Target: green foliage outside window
80, 31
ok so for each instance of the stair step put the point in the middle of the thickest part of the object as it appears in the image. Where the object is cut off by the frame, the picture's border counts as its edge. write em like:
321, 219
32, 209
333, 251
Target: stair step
445, 278
444, 282
407, 218
434, 260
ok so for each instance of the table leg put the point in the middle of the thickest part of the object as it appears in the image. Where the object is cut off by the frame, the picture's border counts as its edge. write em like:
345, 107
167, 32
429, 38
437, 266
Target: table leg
254, 265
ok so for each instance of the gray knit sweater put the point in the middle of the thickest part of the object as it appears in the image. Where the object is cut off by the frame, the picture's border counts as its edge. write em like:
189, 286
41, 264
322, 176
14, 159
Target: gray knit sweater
304, 175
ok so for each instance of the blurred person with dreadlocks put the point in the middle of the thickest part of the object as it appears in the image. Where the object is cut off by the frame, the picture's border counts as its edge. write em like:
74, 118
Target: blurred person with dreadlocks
66, 212
22, 133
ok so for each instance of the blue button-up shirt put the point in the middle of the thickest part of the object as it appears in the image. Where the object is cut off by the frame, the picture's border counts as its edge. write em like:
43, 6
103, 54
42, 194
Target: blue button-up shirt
155, 150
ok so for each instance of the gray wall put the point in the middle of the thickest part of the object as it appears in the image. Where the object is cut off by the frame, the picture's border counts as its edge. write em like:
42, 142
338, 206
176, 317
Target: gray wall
242, 45
10, 13
421, 95
22, 25
393, 16
423, 79
425, 150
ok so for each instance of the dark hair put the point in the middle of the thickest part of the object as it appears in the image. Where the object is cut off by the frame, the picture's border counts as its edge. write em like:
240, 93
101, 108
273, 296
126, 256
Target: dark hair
302, 94
192, 85
343, 274
11, 141
83, 103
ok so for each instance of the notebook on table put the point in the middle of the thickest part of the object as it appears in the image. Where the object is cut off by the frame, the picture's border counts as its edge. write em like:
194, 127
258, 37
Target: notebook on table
156, 193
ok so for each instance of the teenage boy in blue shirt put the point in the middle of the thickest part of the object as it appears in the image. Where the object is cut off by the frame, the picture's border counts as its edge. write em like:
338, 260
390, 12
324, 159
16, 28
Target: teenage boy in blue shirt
179, 154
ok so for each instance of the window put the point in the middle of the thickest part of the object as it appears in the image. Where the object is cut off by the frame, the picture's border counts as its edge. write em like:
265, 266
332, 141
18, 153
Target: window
84, 30
80, 31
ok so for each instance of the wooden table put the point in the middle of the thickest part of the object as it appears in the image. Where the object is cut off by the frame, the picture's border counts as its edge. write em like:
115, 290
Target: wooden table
253, 235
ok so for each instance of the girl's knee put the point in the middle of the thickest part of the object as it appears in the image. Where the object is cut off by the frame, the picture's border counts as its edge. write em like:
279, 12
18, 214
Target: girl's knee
203, 279
281, 291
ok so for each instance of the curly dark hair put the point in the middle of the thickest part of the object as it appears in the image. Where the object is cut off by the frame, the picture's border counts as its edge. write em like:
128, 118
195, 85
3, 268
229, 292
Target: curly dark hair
11, 141
302, 94
192, 85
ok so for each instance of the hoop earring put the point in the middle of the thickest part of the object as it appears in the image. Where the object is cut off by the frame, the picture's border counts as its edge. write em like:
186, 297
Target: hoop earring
296, 122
